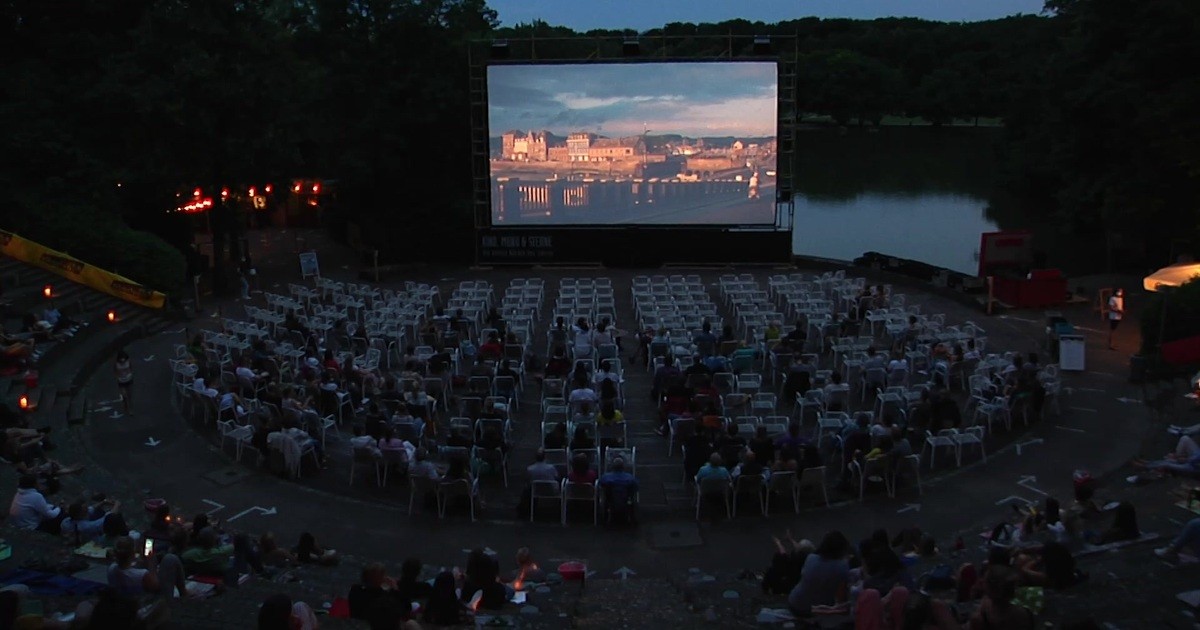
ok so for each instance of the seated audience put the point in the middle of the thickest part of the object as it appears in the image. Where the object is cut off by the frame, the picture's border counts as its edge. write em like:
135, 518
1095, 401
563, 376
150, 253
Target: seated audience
824, 576
374, 586
308, 551
30, 510
581, 470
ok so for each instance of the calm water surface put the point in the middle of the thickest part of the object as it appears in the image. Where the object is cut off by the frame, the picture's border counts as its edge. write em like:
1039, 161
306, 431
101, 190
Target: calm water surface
911, 192
941, 229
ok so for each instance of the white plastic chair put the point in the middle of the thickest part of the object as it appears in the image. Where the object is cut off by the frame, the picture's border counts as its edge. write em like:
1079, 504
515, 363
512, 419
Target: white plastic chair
543, 489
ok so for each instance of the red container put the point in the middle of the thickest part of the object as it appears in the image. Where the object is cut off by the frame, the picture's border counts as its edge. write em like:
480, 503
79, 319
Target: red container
31, 379
572, 571
152, 505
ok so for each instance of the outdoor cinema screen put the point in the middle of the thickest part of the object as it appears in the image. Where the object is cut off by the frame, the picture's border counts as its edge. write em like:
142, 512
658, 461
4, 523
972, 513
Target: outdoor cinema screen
684, 143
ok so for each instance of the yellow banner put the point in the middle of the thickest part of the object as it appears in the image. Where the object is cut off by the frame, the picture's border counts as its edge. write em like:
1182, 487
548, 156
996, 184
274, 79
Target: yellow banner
76, 270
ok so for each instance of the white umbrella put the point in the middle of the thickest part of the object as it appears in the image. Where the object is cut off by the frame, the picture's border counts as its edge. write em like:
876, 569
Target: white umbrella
1172, 276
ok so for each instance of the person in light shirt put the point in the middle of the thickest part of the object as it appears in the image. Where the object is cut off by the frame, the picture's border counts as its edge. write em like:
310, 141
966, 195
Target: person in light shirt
31, 511
1116, 312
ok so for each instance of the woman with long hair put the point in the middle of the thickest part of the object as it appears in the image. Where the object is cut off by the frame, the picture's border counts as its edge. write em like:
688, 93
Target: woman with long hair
443, 607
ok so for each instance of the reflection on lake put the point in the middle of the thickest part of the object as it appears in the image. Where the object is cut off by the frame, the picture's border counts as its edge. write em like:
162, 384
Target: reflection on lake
935, 228
910, 192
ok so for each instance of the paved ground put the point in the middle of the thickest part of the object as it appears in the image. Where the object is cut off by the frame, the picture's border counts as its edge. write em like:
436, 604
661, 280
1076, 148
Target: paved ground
1096, 431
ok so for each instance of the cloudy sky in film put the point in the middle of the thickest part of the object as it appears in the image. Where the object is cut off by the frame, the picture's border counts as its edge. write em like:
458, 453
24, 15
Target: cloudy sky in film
614, 99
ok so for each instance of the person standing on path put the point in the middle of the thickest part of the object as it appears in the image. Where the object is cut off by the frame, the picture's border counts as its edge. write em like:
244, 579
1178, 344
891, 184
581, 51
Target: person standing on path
1116, 311
124, 372
244, 273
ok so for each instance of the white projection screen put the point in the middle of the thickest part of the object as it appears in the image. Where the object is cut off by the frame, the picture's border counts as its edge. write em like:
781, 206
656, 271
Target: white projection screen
640, 143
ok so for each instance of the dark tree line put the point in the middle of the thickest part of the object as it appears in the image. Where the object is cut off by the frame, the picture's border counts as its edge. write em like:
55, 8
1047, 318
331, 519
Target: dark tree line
1097, 97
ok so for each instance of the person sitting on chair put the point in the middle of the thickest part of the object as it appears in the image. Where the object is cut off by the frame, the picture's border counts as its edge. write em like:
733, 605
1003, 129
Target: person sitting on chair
620, 490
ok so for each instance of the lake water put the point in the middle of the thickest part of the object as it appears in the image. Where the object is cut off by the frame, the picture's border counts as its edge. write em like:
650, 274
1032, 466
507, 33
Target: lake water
911, 192
935, 228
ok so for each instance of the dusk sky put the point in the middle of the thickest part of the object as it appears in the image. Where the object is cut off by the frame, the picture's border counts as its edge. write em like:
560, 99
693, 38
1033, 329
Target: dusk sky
583, 15
694, 99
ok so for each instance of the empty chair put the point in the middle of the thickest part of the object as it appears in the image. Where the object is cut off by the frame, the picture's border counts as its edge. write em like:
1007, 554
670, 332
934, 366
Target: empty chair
813, 480
967, 437
422, 487
782, 482
543, 489
944, 439
904, 465
579, 493
764, 403
448, 490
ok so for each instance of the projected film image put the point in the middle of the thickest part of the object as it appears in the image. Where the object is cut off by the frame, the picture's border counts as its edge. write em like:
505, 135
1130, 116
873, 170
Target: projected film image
635, 143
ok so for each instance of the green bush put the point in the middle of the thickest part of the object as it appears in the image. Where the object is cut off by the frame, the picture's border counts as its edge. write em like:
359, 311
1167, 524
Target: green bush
103, 240
1182, 316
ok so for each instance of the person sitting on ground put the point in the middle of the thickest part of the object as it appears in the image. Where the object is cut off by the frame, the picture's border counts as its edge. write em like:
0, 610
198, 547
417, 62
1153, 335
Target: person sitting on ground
279, 613
443, 607
1186, 546
1185, 459
784, 573
997, 610
482, 575
1124, 526
30, 510
620, 489
373, 587
152, 577
824, 576
160, 523
527, 569
14, 352
272, 554
208, 556
581, 470
84, 524
409, 587
714, 469
308, 551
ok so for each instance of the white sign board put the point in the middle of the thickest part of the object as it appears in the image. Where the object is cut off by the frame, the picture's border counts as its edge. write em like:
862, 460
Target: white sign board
1071, 352
308, 265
